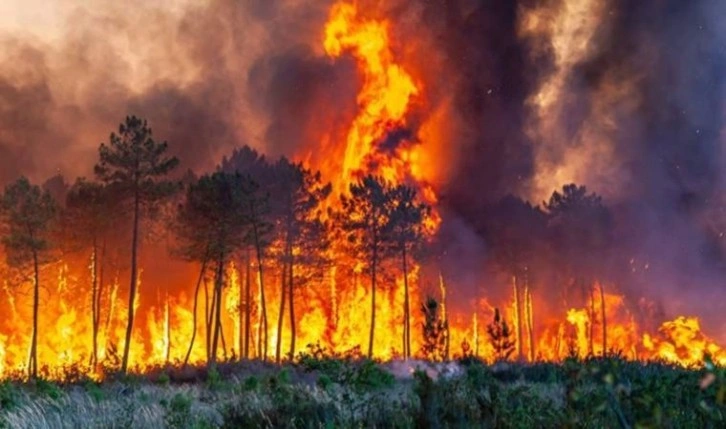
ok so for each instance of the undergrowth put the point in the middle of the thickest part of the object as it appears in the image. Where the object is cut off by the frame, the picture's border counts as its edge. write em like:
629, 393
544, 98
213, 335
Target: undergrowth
341, 391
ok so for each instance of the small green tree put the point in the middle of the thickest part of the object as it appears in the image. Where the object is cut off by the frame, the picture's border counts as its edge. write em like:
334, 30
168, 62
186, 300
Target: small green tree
435, 331
134, 166
500, 336
27, 214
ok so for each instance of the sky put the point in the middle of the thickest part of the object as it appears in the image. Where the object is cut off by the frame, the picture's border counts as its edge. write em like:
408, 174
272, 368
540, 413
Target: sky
42, 18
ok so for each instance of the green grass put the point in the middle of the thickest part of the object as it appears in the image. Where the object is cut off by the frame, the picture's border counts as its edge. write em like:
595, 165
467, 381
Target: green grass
345, 392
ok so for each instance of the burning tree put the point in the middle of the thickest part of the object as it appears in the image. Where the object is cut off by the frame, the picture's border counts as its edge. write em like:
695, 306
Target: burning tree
90, 206
500, 336
27, 213
258, 214
435, 331
296, 199
364, 218
406, 230
517, 231
133, 165
211, 224
581, 232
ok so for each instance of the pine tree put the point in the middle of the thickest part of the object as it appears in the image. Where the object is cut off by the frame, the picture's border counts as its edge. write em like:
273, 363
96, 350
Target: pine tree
406, 231
134, 166
435, 330
27, 214
500, 336
297, 194
364, 216
89, 215
210, 227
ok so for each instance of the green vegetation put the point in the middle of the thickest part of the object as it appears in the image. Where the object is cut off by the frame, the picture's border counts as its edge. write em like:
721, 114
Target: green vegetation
346, 391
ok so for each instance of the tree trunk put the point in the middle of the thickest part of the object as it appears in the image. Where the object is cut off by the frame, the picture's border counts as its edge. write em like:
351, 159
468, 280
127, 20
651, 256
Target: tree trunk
518, 317
111, 304
132, 289
604, 321
194, 311
99, 293
591, 327
373, 299
406, 309
33, 364
445, 317
291, 297
280, 316
94, 304
167, 322
217, 308
530, 322
263, 305
209, 317
241, 321
207, 326
248, 306
221, 338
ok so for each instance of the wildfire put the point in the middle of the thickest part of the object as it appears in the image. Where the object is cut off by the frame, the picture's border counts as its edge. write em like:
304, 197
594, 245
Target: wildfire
380, 140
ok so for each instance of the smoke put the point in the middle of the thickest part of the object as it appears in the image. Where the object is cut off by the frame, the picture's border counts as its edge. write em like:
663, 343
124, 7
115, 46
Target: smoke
203, 74
521, 97
626, 98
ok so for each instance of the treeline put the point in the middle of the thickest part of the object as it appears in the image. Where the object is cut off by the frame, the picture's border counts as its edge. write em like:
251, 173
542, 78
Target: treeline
249, 209
279, 215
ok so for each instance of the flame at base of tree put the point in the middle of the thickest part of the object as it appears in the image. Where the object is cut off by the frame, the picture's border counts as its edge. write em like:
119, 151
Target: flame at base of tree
164, 336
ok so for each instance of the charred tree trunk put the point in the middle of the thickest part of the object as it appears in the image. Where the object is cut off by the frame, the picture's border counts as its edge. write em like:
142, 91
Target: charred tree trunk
604, 321
194, 311
132, 289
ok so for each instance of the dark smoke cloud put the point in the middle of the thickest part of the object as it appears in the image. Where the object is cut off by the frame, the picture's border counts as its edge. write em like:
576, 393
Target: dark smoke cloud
190, 71
667, 139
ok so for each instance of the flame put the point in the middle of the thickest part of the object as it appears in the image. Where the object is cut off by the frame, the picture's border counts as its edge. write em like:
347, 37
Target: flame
331, 312
387, 88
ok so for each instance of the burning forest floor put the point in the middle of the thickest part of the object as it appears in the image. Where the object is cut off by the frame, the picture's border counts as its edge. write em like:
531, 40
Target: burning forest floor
342, 391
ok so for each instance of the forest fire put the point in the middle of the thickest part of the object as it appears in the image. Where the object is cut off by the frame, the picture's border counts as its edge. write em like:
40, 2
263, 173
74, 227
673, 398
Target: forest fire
327, 265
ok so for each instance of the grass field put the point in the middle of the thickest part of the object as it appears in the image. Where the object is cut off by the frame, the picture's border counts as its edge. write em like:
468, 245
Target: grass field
322, 392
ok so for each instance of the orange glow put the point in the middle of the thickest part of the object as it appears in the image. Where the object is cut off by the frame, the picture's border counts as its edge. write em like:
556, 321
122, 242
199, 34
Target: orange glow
334, 311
